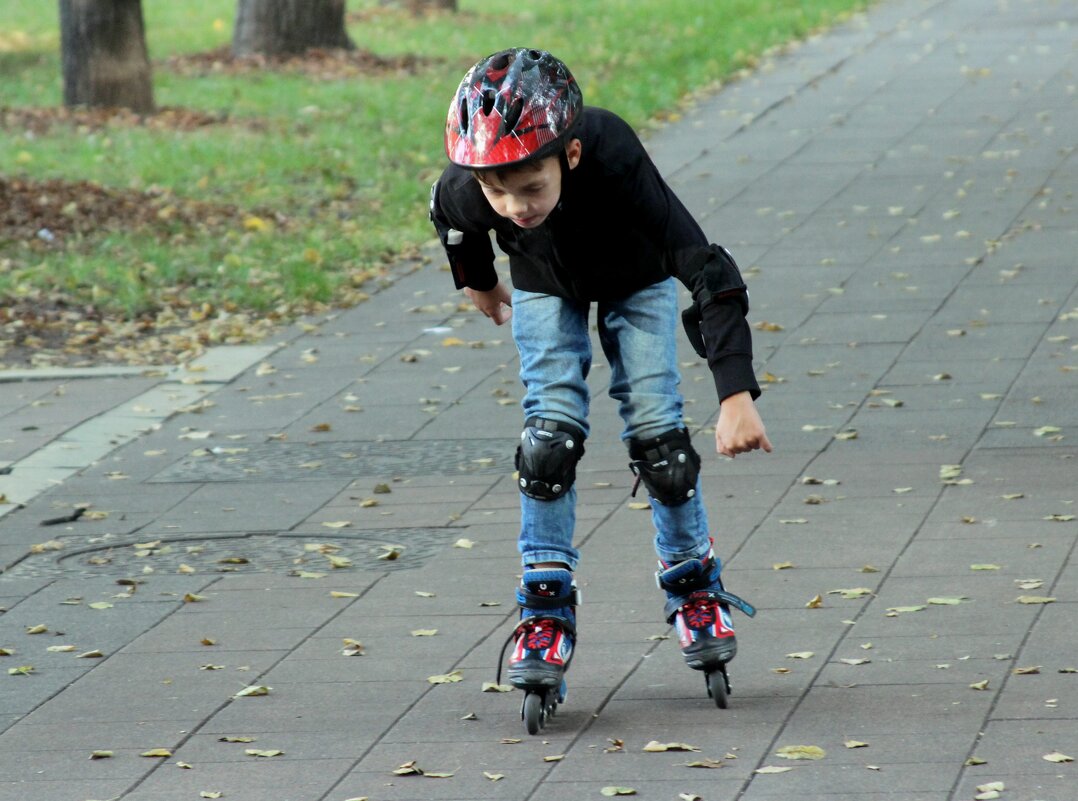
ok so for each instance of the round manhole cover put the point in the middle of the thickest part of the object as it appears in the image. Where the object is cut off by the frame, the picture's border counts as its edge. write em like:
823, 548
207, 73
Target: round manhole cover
263, 552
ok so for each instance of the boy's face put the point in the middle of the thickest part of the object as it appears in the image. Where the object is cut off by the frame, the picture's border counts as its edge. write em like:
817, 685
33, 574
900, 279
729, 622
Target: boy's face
528, 195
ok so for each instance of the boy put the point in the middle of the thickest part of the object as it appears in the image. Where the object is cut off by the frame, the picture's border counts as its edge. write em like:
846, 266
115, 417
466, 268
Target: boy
584, 217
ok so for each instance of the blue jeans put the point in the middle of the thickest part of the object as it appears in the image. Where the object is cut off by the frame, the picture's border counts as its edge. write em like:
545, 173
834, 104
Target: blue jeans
638, 336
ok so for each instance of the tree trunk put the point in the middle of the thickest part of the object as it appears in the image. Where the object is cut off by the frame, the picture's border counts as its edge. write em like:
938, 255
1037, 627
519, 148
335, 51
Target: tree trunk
283, 27
103, 53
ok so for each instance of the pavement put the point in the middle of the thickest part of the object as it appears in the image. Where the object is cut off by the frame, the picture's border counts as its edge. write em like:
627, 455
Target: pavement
287, 570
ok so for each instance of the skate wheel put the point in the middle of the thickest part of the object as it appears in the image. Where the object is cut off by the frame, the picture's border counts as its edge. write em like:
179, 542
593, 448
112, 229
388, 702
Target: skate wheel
717, 688
534, 712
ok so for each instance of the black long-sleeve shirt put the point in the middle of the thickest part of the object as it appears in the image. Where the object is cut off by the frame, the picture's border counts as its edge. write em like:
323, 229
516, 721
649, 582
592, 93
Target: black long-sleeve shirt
617, 228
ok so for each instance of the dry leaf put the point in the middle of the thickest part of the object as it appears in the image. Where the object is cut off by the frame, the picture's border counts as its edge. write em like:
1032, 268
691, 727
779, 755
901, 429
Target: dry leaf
782, 566
491, 687
232, 739
706, 763
1055, 756
352, 647
639, 505
855, 662
1034, 599
424, 632
493, 776
610, 792
156, 752
255, 752
253, 691
951, 601
338, 524
101, 755
815, 603
855, 744
772, 769
340, 594
465, 543
801, 655
655, 747
553, 758
452, 677
851, 594
979, 685
801, 752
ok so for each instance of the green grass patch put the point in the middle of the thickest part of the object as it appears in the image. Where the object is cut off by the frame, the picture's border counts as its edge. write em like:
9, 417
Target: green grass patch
328, 174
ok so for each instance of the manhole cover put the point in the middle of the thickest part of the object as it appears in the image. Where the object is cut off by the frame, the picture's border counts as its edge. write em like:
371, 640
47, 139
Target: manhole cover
288, 461
263, 552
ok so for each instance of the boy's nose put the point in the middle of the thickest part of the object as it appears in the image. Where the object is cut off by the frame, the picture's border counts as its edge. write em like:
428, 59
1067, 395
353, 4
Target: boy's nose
516, 206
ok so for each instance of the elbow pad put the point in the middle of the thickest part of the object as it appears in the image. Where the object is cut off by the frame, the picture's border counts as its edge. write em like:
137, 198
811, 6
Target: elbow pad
721, 279
465, 253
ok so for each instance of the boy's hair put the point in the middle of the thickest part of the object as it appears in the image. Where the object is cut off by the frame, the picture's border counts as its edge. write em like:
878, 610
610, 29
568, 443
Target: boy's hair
502, 173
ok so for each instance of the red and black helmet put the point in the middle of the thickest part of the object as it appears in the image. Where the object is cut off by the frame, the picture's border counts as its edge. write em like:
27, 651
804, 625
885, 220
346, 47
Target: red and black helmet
513, 106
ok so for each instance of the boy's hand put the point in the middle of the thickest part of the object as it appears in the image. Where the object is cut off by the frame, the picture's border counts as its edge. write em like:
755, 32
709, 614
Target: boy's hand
740, 428
494, 303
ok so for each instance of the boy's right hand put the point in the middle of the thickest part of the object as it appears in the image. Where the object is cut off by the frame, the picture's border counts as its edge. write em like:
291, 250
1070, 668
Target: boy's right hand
494, 303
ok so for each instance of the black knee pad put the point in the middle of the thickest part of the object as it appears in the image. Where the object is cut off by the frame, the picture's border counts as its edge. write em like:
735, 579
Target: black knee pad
547, 456
667, 464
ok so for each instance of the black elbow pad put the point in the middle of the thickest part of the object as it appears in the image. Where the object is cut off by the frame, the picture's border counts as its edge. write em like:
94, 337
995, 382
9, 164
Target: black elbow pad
722, 279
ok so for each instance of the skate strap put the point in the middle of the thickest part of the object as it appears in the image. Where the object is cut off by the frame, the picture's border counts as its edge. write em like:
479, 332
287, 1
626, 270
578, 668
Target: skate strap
529, 600
524, 623
728, 598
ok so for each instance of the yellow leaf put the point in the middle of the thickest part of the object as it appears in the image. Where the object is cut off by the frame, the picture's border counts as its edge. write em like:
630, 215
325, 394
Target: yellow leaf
493, 776
464, 543
553, 758
1034, 599
424, 632
452, 342
40, 628
771, 769
815, 603
655, 747
801, 752
953, 601
340, 594
100, 605
491, 687
1055, 756
639, 505
801, 655
447, 678
984, 567
339, 561
101, 755
782, 565
979, 685
338, 524
253, 691
610, 792
21, 670
855, 744
190, 598
255, 752
253, 223
156, 752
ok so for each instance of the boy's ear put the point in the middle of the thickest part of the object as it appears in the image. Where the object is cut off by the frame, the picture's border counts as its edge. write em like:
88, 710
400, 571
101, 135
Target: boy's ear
573, 149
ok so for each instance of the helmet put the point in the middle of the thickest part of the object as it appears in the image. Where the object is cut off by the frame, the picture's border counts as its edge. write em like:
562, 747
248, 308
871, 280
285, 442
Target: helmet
513, 106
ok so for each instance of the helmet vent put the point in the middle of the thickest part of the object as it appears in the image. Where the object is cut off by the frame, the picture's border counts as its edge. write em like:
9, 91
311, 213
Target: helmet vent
464, 115
489, 98
512, 114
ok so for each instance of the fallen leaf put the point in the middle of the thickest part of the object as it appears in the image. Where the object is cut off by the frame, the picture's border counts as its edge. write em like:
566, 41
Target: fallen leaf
815, 603
616, 746
95, 654
782, 566
852, 593
190, 598
156, 752
1055, 756
352, 647
974, 761
655, 747
553, 758
256, 752
338, 524
639, 505
899, 610
985, 567
801, 655
801, 752
465, 543
21, 670
210, 794
253, 691
952, 601
979, 685
1032, 670
855, 662
794, 521
491, 687
340, 594
235, 739
855, 744
710, 764
101, 755
610, 792
772, 769
493, 776
424, 632
58, 649
447, 678
689, 797
1034, 599
408, 769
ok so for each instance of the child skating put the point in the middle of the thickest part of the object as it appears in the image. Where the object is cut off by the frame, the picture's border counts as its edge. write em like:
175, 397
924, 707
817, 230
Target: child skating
576, 203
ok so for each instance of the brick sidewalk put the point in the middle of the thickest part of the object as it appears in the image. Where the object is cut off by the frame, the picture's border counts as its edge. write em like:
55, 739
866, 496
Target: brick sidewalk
899, 192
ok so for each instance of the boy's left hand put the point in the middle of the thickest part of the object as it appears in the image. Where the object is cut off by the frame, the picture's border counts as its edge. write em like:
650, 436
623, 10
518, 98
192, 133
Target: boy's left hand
740, 428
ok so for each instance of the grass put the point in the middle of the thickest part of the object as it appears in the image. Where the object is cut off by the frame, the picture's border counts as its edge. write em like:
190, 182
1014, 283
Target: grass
348, 161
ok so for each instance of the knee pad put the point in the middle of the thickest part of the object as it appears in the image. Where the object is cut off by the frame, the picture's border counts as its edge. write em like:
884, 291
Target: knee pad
547, 456
667, 464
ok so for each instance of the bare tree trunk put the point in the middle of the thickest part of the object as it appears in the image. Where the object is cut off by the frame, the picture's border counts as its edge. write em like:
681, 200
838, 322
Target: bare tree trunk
281, 27
103, 52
